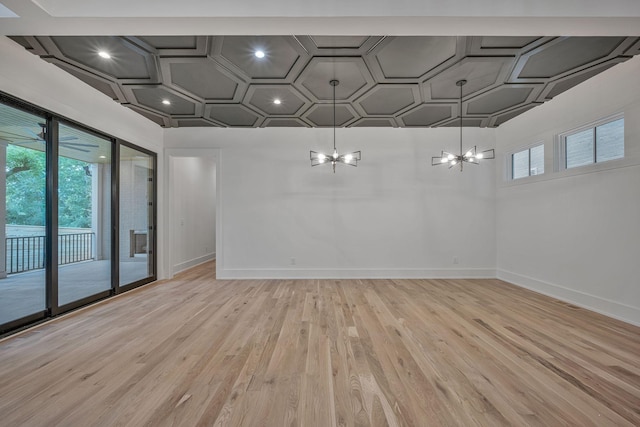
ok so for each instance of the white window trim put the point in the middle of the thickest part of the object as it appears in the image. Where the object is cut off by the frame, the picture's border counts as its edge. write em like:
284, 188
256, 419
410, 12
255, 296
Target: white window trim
560, 146
509, 161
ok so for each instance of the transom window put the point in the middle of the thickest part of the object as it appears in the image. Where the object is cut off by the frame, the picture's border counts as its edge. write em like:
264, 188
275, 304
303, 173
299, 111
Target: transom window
594, 144
527, 162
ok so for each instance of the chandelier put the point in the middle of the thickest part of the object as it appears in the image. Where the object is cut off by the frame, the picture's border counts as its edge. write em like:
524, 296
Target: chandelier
470, 156
320, 158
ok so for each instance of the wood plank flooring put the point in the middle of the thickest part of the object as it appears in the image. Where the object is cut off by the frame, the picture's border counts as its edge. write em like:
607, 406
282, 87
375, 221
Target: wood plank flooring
196, 351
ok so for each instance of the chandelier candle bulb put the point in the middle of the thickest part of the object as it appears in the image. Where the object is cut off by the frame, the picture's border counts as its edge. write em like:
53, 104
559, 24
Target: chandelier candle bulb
471, 156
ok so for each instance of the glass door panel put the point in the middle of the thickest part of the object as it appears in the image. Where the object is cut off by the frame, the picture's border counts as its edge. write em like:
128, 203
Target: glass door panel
136, 215
22, 224
84, 215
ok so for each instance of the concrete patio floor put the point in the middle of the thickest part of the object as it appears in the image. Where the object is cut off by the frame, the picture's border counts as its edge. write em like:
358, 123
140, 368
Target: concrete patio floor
23, 294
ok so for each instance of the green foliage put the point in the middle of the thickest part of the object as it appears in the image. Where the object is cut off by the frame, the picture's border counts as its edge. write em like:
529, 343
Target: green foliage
26, 180
74, 194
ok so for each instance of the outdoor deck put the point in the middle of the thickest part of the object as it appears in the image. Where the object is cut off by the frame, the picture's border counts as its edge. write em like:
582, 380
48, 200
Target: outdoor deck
23, 294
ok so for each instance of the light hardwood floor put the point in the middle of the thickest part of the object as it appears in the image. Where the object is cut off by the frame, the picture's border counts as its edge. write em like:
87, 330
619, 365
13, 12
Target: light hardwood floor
196, 351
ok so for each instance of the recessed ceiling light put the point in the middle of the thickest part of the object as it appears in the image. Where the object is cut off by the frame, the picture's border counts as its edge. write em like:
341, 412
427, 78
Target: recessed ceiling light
166, 102
103, 157
104, 54
277, 101
259, 54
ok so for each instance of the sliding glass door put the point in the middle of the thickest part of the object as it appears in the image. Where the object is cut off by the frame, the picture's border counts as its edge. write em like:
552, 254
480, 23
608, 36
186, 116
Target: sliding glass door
84, 214
77, 215
137, 207
22, 222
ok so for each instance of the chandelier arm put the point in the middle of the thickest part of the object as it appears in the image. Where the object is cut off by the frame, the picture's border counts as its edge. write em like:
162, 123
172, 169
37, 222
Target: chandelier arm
436, 161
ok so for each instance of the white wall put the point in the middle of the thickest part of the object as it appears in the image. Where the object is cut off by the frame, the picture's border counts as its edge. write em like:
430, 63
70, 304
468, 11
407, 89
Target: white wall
193, 204
392, 216
575, 234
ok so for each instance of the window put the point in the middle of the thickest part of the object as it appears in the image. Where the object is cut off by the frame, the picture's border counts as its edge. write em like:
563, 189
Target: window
597, 143
527, 162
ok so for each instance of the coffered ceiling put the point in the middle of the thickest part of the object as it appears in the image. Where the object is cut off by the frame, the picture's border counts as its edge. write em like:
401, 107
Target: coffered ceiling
400, 81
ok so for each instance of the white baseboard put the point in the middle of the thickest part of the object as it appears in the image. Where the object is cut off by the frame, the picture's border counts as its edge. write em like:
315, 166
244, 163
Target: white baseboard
610, 308
178, 268
355, 273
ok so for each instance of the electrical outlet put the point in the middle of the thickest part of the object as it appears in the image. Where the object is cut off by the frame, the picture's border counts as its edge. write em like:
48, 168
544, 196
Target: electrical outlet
293, 261
456, 260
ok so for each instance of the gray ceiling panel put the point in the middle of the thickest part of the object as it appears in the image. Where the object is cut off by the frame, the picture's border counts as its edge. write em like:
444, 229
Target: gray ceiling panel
321, 115
566, 54
171, 42
502, 42
375, 123
634, 49
153, 98
341, 42
203, 78
173, 46
498, 100
108, 87
196, 122
234, 115
480, 73
338, 45
466, 122
389, 100
264, 97
413, 57
289, 122
427, 115
384, 80
126, 61
352, 73
281, 55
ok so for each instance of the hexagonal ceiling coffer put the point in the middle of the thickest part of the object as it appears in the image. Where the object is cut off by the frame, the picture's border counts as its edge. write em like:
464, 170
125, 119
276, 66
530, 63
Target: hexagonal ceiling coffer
232, 115
128, 61
565, 54
282, 56
499, 99
276, 100
203, 78
389, 99
413, 57
426, 115
338, 45
480, 74
353, 74
321, 115
156, 98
